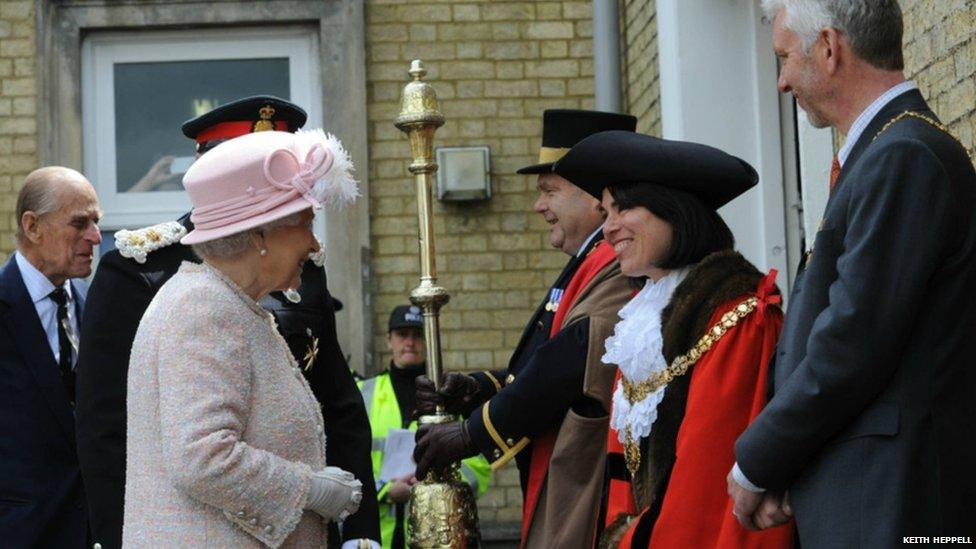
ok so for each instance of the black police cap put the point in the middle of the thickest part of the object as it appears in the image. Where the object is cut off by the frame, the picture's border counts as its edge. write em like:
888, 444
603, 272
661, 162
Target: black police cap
563, 128
616, 157
406, 316
243, 116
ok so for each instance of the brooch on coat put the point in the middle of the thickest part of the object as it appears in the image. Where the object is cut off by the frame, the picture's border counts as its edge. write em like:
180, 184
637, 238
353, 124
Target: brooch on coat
292, 295
138, 243
313, 351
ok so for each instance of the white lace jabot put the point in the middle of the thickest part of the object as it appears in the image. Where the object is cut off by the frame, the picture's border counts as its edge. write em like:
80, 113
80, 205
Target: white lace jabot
636, 347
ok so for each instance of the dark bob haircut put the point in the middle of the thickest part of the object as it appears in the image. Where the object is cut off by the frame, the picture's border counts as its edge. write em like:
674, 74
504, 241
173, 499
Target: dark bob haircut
697, 230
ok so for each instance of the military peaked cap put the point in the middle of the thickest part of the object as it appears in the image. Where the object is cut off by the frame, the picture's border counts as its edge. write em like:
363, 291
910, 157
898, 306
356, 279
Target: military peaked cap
616, 157
243, 116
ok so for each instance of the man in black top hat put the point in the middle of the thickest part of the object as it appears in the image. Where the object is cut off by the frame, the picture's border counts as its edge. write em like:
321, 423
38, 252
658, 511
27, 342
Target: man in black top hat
554, 374
125, 283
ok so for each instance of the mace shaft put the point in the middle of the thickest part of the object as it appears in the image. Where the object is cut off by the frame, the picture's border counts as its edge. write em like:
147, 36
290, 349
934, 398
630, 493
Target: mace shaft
419, 119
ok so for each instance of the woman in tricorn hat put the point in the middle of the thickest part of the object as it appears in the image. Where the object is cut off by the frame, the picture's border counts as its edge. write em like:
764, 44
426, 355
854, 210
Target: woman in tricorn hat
692, 346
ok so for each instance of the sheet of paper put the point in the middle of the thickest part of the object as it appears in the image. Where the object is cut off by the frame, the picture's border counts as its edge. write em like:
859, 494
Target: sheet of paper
398, 455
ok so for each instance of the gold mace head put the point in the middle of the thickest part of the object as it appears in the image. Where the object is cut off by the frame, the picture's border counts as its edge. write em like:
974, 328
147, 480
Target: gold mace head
418, 106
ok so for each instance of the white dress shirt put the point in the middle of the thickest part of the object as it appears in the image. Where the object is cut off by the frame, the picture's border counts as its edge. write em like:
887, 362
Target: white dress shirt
865, 118
39, 288
589, 239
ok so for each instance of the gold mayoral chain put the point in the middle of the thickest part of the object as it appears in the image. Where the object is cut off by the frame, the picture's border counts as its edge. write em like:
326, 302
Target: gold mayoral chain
901, 116
917, 115
635, 392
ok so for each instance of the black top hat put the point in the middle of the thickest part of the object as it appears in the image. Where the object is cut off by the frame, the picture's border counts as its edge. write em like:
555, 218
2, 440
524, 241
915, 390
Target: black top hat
563, 128
406, 316
243, 116
615, 157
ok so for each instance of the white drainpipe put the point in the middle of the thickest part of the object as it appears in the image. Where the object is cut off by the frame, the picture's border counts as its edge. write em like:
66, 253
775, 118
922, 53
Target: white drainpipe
606, 55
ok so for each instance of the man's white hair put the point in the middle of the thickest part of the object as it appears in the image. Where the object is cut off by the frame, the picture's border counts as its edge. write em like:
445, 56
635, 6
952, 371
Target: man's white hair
804, 17
873, 27
42, 193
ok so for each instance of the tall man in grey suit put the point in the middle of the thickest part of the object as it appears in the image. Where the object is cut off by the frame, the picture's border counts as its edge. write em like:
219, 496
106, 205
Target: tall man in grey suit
872, 426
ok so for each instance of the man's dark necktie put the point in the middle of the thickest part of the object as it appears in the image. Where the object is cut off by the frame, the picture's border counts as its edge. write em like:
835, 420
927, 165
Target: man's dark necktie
60, 297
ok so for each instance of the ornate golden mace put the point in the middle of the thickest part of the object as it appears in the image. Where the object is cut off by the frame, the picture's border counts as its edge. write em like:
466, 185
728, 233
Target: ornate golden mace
443, 513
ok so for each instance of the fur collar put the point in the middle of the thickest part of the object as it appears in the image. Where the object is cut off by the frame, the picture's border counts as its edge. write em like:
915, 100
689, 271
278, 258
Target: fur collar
720, 277
717, 279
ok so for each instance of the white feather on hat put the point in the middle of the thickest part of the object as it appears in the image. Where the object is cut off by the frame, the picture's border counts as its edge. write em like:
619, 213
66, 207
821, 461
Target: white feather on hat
332, 182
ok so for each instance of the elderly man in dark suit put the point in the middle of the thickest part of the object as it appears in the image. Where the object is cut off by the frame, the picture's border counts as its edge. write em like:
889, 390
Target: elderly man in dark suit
125, 283
42, 499
872, 427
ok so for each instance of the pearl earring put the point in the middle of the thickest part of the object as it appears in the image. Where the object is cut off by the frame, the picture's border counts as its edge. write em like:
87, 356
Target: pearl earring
263, 252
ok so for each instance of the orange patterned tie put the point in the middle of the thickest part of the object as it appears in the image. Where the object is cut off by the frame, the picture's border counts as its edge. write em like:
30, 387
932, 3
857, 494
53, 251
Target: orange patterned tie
834, 172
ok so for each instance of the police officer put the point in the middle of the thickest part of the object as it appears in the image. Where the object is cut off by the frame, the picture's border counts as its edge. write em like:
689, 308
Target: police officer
391, 401
125, 283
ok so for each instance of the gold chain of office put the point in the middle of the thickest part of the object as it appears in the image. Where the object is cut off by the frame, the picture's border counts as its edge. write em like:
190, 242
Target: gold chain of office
919, 116
901, 116
635, 392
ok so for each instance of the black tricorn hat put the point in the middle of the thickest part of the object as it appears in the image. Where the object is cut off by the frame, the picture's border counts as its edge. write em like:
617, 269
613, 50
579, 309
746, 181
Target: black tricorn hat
563, 128
614, 157
243, 116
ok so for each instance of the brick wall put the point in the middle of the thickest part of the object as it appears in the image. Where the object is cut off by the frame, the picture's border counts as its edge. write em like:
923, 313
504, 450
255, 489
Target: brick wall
639, 64
18, 104
496, 66
940, 56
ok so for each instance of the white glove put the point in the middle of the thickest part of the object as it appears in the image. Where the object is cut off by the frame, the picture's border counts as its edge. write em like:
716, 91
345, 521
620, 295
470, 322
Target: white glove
334, 494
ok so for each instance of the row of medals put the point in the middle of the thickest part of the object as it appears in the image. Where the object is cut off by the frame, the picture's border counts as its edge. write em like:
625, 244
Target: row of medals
554, 296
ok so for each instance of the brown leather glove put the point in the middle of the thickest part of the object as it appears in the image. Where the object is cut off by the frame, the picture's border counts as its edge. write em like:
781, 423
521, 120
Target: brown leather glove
439, 445
458, 394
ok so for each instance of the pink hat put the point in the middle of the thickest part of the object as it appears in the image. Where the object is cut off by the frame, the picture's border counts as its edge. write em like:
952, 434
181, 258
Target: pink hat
260, 177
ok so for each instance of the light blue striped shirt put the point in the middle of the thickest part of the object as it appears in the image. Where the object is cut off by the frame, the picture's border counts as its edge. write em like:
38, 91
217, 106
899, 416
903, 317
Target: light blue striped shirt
39, 288
865, 118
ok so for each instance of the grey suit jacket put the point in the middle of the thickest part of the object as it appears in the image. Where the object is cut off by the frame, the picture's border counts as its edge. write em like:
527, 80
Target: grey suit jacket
872, 426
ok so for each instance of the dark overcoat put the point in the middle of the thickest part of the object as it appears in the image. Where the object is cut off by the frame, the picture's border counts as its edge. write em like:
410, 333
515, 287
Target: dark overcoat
551, 374
42, 500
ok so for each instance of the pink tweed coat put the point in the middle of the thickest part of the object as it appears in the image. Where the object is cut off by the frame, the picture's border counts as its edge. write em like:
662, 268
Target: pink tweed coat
223, 430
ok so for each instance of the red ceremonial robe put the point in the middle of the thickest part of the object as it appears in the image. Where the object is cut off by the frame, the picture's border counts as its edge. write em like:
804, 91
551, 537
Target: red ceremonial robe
726, 392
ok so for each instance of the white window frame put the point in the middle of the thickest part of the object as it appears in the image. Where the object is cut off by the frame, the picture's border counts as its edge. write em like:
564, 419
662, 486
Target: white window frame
100, 51
816, 148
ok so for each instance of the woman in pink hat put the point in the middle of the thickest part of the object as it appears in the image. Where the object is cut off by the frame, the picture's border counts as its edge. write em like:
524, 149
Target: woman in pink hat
226, 446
